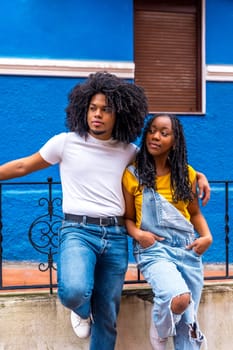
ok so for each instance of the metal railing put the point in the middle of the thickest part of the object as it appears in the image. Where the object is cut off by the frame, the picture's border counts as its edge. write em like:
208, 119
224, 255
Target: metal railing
42, 232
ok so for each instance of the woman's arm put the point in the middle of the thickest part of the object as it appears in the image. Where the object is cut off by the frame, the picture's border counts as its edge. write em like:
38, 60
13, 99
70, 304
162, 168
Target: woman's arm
145, 238
201, 244
22, 166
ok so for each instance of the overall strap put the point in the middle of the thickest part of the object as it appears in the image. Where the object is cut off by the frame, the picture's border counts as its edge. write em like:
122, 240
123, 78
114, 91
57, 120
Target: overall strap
132, 169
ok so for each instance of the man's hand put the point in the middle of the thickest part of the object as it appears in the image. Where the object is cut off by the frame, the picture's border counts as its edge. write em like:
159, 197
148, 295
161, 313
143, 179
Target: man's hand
203, 188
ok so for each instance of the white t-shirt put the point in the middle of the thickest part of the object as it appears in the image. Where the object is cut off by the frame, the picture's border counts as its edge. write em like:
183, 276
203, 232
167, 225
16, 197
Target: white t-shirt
91, 171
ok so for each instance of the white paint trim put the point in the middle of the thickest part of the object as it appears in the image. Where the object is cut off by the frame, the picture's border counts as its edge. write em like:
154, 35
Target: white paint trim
81, 69
69, 68
203, 63
64, 68
219, 72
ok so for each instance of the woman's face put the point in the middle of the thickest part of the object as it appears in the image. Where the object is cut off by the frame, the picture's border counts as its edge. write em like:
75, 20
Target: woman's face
160, 137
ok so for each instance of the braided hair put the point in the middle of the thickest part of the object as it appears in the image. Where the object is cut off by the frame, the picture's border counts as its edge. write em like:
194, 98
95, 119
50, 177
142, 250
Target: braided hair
127, 100
181, 186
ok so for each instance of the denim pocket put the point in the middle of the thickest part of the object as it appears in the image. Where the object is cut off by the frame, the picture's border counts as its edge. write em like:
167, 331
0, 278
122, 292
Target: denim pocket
66, 228
138, 248
196, 254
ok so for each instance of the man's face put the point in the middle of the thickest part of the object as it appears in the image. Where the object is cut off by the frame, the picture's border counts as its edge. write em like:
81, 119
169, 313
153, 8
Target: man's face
100, 117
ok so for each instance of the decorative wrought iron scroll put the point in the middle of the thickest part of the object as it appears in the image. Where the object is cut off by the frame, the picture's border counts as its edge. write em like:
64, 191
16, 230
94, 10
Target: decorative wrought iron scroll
43, 232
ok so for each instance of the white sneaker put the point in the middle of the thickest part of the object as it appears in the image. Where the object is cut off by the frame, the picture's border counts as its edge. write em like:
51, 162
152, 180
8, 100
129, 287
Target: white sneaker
81, 327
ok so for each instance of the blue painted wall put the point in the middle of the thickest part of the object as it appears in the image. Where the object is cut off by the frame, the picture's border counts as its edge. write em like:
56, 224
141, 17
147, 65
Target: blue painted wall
209, 137
67, 29
219, 31
32, 108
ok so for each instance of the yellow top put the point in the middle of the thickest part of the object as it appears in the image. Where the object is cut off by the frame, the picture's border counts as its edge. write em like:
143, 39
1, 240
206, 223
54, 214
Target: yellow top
130, 182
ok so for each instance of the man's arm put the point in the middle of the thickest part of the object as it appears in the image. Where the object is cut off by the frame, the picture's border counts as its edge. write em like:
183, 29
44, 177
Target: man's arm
202, 243
22, 166
203, 188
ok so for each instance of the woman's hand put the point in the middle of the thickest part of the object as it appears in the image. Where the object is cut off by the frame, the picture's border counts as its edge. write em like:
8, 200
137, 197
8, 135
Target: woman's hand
201, 244
147, 239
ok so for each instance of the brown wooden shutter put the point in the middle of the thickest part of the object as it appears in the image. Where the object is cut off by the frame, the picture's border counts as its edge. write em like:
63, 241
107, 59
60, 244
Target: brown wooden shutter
166, 54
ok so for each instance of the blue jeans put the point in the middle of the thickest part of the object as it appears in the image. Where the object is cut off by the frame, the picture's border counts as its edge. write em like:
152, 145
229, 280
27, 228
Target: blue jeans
92, 264
171, 269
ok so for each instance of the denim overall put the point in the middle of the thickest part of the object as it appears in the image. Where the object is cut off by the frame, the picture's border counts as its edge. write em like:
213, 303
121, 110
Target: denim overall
170, 269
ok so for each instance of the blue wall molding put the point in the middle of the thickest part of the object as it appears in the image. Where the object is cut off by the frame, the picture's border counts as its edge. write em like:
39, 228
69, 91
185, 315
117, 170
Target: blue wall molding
78, 68
64, 68
219, 72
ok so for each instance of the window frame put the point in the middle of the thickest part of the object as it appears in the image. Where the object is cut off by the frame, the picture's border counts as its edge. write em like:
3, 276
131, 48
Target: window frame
200, 70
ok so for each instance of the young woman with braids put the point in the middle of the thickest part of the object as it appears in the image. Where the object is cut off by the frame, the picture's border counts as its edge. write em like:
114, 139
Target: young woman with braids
162, 212
105, 114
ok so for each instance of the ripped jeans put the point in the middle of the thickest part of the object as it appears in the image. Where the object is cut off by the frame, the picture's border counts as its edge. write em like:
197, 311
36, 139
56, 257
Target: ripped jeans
171, 270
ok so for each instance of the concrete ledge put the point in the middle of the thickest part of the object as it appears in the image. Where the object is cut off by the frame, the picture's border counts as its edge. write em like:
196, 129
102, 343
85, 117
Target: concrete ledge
37, 321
